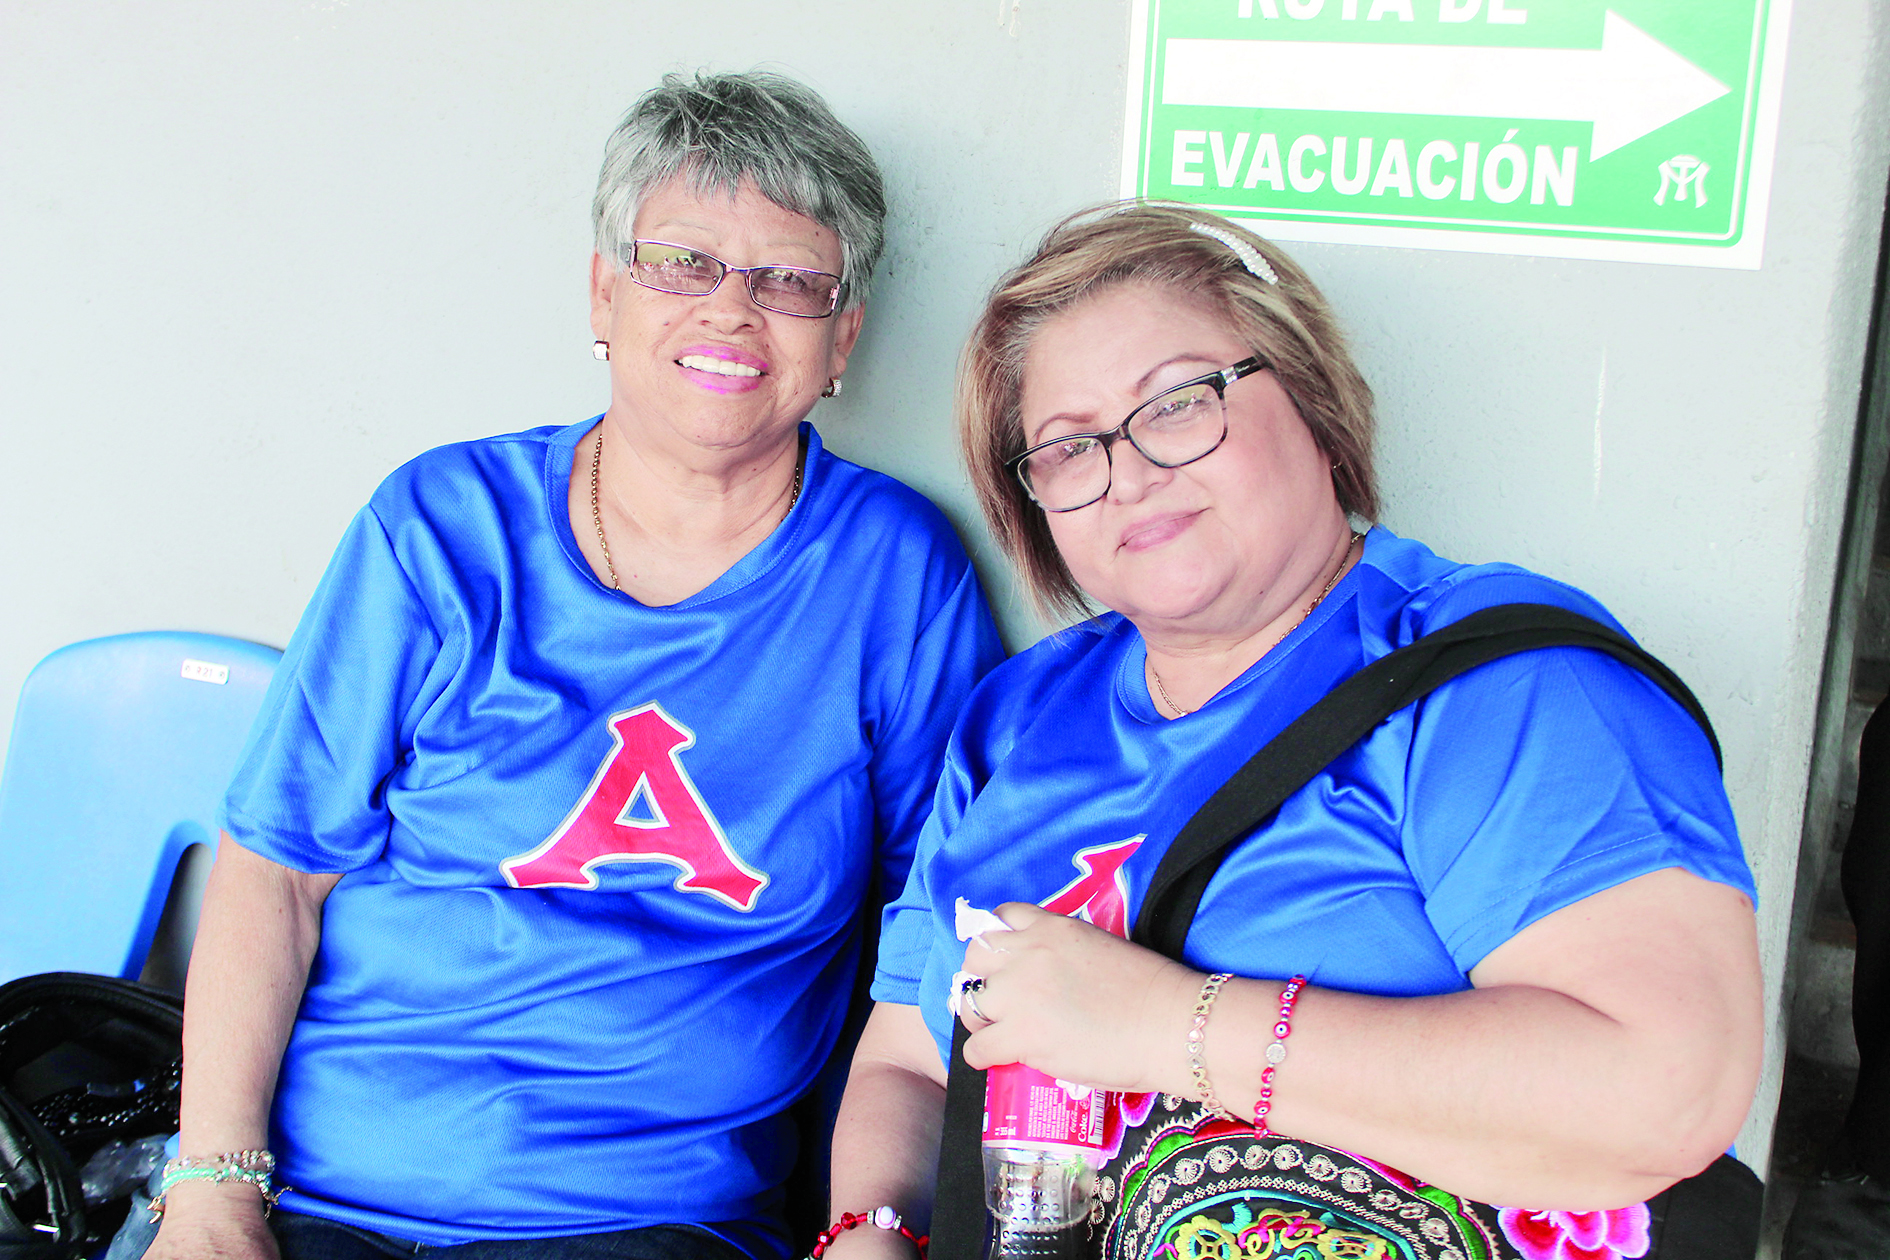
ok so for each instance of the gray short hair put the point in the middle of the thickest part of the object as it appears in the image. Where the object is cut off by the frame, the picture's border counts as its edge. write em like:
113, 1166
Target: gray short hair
720, 129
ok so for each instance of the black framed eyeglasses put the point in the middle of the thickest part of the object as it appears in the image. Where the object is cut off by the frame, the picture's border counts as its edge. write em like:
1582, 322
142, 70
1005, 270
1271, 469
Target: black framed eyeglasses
671, 268
1177, 426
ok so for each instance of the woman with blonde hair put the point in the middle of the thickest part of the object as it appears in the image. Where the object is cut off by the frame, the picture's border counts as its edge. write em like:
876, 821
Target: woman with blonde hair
1507, 935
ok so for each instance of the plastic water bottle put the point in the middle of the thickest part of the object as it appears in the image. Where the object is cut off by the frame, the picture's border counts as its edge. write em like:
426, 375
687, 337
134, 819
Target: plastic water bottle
1043, 1142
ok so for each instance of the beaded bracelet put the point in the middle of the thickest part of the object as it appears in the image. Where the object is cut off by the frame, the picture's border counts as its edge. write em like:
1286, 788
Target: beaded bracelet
1276, 1055
252, 1167
1197, 1040
880, 1218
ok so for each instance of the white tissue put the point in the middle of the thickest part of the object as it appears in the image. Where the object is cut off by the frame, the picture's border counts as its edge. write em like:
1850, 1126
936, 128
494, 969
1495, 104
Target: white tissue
958, 991
972, 923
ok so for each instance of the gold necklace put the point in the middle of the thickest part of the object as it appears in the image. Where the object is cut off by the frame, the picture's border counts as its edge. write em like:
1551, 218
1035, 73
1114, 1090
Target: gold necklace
1166, 698
597, 513
1297, 621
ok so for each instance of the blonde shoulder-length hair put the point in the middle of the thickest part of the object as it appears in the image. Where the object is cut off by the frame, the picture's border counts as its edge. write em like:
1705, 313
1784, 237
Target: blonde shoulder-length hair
1285, 318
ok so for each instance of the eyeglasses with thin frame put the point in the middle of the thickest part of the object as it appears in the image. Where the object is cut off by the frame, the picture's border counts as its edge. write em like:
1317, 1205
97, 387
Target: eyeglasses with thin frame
1177, 426
671, 268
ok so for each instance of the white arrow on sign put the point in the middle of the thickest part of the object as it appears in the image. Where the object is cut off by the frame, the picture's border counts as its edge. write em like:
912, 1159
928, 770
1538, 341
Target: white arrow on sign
1632, 85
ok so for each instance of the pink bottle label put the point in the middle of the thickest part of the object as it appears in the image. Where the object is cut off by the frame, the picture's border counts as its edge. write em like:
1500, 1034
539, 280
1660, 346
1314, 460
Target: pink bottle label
1023, 1107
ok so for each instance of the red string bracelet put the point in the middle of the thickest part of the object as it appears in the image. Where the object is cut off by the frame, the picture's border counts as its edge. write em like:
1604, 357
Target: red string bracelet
1276, 1055
879, 1217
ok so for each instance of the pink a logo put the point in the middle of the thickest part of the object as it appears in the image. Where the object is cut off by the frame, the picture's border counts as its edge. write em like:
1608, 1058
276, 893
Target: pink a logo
1100, 894
641, 806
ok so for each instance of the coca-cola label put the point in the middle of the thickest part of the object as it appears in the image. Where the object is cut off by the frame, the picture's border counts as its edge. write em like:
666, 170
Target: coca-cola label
1024, 1107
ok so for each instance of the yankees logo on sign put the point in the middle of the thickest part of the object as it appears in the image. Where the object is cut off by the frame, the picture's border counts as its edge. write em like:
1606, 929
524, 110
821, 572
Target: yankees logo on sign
641, 806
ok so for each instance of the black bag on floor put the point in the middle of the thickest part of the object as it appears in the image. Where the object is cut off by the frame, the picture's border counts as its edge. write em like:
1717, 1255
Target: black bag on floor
84, 1061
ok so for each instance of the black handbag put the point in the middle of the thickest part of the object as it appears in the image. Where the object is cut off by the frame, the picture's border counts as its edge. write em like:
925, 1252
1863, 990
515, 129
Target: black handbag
1185, 1181
84, 1060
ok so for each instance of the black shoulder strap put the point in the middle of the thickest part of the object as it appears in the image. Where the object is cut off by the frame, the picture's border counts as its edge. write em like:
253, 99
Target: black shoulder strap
1345, 715
1348, 713
959, 1222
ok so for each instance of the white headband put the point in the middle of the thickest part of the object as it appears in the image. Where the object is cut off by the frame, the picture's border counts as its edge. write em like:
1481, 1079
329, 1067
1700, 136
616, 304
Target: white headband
1250, 257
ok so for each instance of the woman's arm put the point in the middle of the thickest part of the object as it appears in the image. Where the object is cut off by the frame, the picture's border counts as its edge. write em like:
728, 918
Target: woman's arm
1607, 1050
885, 1141
248, 967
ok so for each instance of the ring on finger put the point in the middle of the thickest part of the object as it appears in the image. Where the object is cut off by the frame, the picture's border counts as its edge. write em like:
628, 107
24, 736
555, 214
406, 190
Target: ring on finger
969, 990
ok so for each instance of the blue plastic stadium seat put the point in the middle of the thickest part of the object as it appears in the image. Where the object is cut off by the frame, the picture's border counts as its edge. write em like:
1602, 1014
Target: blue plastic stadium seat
121, 749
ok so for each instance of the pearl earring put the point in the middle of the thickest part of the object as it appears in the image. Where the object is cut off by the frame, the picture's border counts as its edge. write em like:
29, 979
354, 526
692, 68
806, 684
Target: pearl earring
600, 350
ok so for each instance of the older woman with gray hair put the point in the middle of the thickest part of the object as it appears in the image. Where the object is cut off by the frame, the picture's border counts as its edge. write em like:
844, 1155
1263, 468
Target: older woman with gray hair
539, 894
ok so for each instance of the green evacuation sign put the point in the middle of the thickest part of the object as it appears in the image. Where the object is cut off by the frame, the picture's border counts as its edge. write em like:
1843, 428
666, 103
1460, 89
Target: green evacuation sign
1636, 130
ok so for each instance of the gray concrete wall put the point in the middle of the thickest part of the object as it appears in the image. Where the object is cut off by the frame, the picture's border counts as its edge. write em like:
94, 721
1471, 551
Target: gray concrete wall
257, 254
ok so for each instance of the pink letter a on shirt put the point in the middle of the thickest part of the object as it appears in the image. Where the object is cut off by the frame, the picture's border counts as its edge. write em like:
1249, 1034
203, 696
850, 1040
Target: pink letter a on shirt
1101, 893
643, 771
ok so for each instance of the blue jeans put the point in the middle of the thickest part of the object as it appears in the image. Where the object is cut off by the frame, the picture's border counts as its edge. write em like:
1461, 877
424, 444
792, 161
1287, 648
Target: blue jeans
304, 1237
312, 1238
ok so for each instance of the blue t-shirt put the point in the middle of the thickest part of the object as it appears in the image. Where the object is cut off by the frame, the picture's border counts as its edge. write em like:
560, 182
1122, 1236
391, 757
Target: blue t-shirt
605, 862
1507, 794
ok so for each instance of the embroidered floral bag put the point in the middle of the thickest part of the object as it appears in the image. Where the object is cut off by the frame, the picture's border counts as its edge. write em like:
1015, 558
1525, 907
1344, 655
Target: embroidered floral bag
1187, 1185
